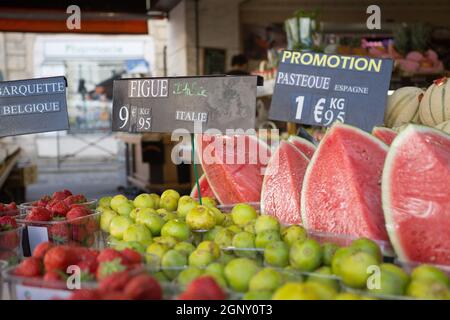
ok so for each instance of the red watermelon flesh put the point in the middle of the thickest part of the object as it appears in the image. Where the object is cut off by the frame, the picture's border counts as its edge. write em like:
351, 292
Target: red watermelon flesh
205, 189
384, 134
341, 191
234, 166
303, 145
281, 189
416, 195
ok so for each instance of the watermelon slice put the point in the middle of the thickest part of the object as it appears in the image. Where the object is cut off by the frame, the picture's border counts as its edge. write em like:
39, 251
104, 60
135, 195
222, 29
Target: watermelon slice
303, 145
416, 195
384, 134
281, 189
205, 189
234, 166
341, 191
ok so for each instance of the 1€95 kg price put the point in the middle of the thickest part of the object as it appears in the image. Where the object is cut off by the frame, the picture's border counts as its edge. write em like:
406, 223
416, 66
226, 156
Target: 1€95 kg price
135, 118
324, 111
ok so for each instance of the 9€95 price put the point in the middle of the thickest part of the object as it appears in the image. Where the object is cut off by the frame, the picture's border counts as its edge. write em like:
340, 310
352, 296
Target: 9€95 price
138, 118
319, 110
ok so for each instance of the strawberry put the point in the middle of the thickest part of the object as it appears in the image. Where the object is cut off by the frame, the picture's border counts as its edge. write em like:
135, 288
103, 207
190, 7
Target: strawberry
79, 233
30, 267
88, 266
76, 214
41, 249
67, 193
55, 280
115, 295
92, 225
52, 276
59, 258
59, 232
39, 214
203, 288
70, 200
59, 195
143, 287
79, 198
9, 240
109, 254
114, 282
109, 267
59, 208
85, 294
11, 207
131, 256
7, 223
40, 203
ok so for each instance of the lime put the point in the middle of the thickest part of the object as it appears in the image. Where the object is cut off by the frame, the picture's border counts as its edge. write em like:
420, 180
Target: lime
427, 272
329, 249
210, 246
295, 291
266, 222
355, 269
172, 263
265, 237
243, 240
305, 255
257, 295
266, 279
368, 246
184, 247
340, 254
243, 213
293, 234
200, 258
239, 272
276, 254
324, 276
428, 289
187, 275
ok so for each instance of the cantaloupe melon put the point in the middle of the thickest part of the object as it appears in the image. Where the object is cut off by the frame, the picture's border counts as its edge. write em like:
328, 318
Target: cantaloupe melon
435, 105
444, 126
403, 107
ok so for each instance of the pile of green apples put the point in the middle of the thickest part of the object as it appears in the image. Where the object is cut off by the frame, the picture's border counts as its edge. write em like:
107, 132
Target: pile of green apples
252, 255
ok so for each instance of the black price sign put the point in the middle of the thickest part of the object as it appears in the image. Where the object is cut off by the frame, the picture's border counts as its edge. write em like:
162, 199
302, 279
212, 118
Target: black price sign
32, 106
319, 89
166, 104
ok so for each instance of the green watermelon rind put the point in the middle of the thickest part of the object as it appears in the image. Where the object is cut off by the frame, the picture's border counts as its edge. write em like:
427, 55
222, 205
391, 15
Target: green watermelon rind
386, 188
307, 143
276, 151
317, 155
195, 189
383, 130
260, 142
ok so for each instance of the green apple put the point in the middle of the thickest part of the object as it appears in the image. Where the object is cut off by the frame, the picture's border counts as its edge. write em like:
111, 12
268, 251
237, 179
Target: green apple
209, 202
119, 225
276, 254
169, 203
156, 198
224, 238
138, 233
266, 279
200, 218
243, 213
306, 255
185, 204
211, 234
266, 222
171, 193
185, 247
218, 215
250, 227
106, 218
144, 200
200, 258
154, 254
188, 275
215, 268
294, 233
210, 246
125, 208
177, 229
265, 237
234, 228
105, 202
172, 262
151, 220
239, 272
116, 201
244, 240
166, 215
169, 241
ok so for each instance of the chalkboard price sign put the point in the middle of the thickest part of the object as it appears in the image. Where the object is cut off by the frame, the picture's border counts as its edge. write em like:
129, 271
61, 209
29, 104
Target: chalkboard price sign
319, 89
32, 106
166, 104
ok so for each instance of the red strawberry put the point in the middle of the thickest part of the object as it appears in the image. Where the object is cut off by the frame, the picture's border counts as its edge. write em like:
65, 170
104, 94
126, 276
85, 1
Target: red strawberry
40, 203
88, 266
60, 195
76, 214
41, 249
79, 198
114, 282
11, 207
131, 256
55, 280
9, 239
79, 233
143, 287
52, 276
92, 225
70, 200
59, 232
109, 254
115, 295
67, 193
59, 258
85, 294
30, 267
39, 214
59, 208
109, 267
203, 288
7, 223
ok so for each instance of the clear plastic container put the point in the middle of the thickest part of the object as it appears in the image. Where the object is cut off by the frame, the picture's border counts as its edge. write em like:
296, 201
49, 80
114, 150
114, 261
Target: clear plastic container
26, 206
10, 213
3, 265
84, 231
408, 266
11, 245
25, 288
